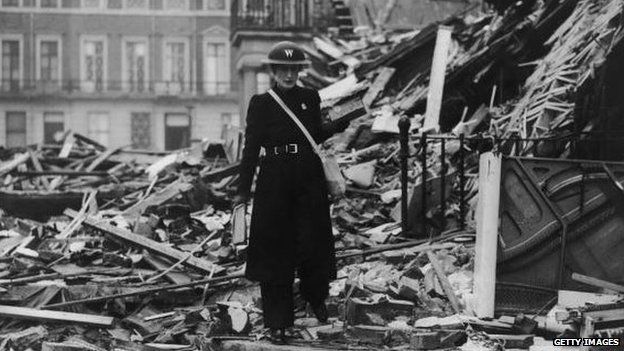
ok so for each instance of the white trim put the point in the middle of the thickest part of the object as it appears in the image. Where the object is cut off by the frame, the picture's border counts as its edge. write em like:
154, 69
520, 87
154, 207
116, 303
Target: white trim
59, 42
187, 63
216, 40
104, 10
88, 37
20, 39
124, 63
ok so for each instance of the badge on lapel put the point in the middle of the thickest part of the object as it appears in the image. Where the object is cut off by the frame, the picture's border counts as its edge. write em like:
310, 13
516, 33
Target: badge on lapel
303, 106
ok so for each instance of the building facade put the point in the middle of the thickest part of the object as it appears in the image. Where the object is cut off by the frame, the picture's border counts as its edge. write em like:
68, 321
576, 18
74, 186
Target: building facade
147, 74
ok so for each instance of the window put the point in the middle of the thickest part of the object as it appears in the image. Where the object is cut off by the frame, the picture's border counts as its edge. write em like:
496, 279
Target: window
92, 4
70, 4
177, 131
156, 4
176, 66
136, 4
135, 62
49, 62
11, 68
29, 3
114, 4
49, 3
99, 125
15, 129
263, 82
216, 69
10, 3
141, 131
177, 4
53, 127
215, 4
93, 65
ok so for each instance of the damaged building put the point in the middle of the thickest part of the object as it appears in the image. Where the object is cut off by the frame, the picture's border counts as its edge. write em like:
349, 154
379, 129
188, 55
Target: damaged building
484, 172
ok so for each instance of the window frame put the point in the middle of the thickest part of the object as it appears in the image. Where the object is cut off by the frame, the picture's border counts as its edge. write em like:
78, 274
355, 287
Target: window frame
83, 67
59, 42
175, 9
6, 127
20, 39
124, 64
58, 5
108, 129
216, 39
51, 113
188, 85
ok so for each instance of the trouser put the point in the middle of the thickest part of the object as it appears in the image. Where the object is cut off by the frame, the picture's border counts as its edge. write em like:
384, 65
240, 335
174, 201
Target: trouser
278, 301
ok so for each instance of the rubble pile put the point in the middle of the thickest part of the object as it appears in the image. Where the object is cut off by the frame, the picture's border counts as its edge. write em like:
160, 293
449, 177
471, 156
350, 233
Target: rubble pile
114, 249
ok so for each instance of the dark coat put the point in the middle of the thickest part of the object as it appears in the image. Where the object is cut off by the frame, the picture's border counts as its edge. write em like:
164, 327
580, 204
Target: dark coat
290, 221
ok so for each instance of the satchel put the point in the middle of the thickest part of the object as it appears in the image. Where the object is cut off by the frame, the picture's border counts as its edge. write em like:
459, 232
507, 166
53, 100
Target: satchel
336, 184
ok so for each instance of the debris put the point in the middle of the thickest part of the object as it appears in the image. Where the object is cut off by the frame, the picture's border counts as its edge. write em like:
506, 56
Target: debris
54, 316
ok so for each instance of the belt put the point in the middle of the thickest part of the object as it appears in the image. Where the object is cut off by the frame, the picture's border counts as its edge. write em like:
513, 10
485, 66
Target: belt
282, 149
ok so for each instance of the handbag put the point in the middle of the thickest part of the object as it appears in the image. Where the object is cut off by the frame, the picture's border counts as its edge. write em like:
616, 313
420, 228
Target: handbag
336, 184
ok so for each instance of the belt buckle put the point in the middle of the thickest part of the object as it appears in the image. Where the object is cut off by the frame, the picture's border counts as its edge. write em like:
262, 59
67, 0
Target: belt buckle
295, 148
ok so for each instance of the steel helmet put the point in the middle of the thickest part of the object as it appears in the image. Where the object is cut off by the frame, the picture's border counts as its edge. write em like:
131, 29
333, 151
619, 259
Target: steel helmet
286, 53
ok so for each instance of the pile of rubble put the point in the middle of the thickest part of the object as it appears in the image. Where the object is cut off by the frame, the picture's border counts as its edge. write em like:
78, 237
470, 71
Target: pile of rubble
113, 249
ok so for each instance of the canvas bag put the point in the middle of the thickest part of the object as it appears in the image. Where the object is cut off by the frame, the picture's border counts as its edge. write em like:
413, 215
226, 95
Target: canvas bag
336, 184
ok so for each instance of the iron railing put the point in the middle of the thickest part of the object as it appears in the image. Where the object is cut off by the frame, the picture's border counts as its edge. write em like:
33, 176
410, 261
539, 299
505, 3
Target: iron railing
141, 88
274, 15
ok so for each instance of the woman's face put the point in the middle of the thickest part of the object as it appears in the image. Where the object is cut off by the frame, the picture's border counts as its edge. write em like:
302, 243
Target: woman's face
285, 76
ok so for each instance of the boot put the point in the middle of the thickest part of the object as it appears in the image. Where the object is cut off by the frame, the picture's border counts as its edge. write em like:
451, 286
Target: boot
277, 336
320, 311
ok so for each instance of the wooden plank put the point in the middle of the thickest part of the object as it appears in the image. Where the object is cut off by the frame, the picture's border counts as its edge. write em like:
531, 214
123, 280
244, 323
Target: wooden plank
487, 234
150, 245
379, 84
446, 285
35, 160
350, 110
436, 80
67, 145
599, 283
90, 141
156, 199
101, 158
10, 165
54, 316
159, 264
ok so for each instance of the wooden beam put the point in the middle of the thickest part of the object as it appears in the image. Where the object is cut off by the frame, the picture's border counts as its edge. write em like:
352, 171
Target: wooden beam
436, 80
10, 165
101, 158
54, 316
378, 86
35, 160
68, 144
444, 282
150, 245
599, 283
487, 234
90, 141
170, 191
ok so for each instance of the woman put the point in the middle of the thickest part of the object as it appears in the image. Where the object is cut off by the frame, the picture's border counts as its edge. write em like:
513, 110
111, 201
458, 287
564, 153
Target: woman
290, 224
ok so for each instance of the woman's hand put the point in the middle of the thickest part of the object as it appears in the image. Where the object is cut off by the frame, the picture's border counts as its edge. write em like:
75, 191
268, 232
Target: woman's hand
239, 199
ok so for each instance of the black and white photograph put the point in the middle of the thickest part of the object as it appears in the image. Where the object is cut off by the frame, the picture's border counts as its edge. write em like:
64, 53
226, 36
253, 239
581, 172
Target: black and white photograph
311, 175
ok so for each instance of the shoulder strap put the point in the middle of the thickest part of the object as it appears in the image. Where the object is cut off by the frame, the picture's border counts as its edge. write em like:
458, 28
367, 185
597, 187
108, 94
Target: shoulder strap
295, 119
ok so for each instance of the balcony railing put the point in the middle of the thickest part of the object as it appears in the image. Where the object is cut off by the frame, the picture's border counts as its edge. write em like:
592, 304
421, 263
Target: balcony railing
274, 15
149, 88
